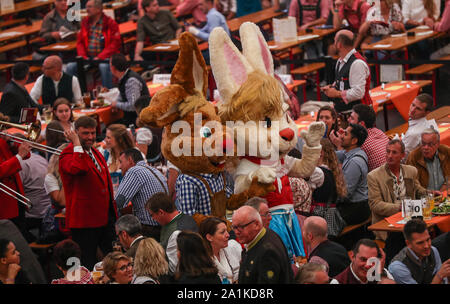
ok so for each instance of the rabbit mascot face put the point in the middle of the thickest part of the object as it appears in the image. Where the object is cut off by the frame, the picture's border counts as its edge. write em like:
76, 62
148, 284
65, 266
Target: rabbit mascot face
255, 102
194, 139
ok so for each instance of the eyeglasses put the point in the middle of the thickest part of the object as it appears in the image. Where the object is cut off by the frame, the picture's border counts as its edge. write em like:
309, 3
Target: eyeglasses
125, 267
241, 227
267, 214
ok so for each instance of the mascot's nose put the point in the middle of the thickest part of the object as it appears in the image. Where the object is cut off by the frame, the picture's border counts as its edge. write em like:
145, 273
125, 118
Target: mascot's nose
227, 145
287, 134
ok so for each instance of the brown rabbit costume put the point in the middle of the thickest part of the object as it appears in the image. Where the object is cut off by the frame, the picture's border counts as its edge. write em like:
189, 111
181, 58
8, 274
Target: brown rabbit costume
194, 139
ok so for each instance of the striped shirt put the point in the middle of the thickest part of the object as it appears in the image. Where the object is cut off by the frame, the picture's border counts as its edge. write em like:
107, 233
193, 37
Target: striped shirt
137, 186
193, 196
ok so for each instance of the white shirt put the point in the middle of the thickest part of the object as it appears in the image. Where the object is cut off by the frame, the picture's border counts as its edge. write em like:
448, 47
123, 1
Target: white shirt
415, 129
359, 71
36, 91
415, 11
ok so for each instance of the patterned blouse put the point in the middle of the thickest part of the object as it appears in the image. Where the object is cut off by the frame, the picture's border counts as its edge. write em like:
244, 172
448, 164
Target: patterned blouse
376, 29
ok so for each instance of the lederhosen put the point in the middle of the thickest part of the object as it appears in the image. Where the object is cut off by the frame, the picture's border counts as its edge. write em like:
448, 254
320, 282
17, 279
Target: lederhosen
217, 200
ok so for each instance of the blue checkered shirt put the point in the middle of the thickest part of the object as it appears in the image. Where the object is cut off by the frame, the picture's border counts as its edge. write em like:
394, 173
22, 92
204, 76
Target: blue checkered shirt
193, 196
137, 186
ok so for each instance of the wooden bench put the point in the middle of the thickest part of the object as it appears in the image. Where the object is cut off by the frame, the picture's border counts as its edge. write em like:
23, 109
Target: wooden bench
33, 68
8, 23
351, 228
307, 69
12, 46
428, 69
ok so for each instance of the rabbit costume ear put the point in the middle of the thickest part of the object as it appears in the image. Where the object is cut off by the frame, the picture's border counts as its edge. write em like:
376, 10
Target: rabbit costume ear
255, 48
190, 70
229, 66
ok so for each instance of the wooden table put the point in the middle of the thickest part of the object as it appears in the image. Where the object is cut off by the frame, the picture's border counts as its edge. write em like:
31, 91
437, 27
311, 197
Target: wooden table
400, 42
443, 222
171, 47
67, 46
258, 17
384, 100
26, 5
20, 31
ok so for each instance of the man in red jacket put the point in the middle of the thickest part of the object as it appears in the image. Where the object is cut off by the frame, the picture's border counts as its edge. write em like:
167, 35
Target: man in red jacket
10, 165
98, 39
90, 206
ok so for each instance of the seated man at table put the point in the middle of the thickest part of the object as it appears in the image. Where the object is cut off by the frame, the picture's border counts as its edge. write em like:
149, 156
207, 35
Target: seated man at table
419, 262
54, 83
56, 27
15, 96
156, 25
309, 14
214, 19
418, 110
432, 161
388, 184
131, 87
98, 39
352, 76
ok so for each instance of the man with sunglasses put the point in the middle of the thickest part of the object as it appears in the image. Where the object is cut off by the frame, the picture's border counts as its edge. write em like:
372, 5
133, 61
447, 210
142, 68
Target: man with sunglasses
264, 259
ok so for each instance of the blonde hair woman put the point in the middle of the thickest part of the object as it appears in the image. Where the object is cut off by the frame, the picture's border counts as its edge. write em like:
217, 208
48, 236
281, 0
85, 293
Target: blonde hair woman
150, 264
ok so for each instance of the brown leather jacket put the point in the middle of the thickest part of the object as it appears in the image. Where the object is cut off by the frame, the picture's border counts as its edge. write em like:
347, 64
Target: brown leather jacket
415, 158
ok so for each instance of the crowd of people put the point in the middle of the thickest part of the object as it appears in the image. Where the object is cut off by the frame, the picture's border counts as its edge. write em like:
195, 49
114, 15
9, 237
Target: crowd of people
124, 223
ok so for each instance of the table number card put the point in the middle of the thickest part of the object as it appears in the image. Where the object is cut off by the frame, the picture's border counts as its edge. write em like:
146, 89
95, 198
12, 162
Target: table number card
7, 5
163, 79
416, 208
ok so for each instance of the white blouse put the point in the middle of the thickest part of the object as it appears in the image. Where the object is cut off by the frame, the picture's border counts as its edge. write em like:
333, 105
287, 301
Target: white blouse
230, 258
414, 10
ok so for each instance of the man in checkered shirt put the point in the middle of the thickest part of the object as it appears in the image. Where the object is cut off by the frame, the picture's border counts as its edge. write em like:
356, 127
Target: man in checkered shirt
140, 182
376, 141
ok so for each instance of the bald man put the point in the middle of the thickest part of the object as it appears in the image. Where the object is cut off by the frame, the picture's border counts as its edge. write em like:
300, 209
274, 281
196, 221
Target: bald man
265, 259
352, 76
55, 83
322, 250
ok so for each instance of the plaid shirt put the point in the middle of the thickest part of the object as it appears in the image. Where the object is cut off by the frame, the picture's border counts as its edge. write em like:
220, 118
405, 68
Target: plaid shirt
375, 148
95, 46
193, 196
137, 186
86, 279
